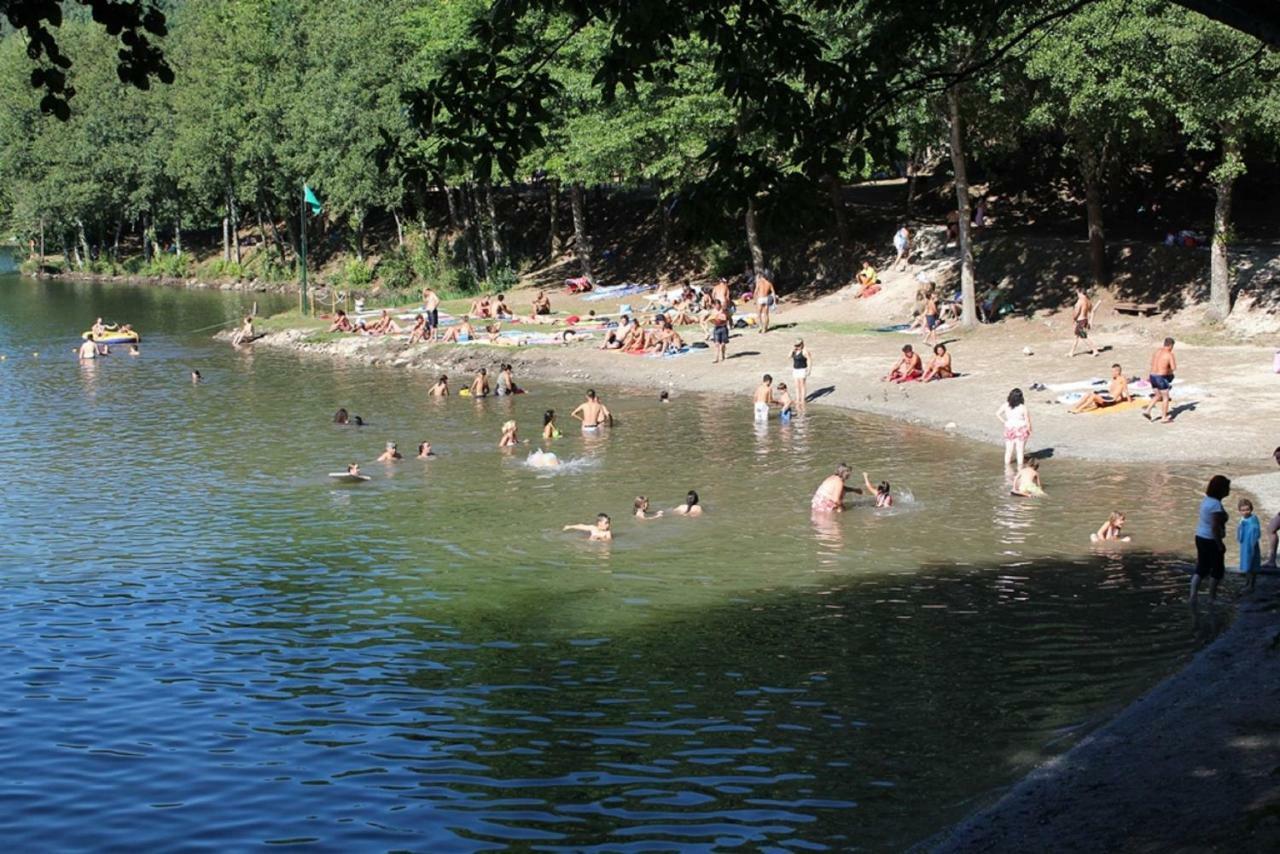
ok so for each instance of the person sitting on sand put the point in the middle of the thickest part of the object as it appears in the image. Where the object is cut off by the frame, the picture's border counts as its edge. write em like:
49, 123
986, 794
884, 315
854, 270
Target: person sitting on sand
601, 530
1117, 392
592, 413
549, 429
939, 366
541, 303
481, 308
341, 323
480, 385
362, 328
1110, 530
424, 451
501, 310
441, 388
509, 438
884, 498
642, 509
611, 341
244, 333
669, 339
829, 496
690, 507
461, 333
385, 324
391, 454
867, 278
419, 332
1026, 483
494, 331
907, 368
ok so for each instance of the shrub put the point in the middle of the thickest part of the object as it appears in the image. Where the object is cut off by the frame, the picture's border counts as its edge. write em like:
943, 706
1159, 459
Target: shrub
719, 260
356, 273
219, 268
168, 265
502, 278
395, 270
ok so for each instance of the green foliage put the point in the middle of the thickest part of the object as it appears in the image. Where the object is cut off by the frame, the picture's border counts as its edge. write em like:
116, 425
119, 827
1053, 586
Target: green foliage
356, 273
395, 271
168, 265
502, 278
719, 259
219, 268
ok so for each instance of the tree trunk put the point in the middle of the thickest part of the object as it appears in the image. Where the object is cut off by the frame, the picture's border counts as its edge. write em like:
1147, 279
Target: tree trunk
234, 225
913, 168
1091, 172
491, 216
82, 251
753, 237
41, 267
968, 291
115, 245
359, 218
177, 234
476, 248
458, 220
581, 239
664, 214
1219, 258
399, 228
146, 240
553, 216
226, 239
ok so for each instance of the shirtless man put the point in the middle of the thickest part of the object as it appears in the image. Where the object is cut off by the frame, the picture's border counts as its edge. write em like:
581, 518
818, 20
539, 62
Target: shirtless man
431, 306
592, 413
721, 292
341, 323
480, 385
931, 317
602, 530
541, 303
97, 330
907, 368
464, 331
88, 350
500, 308
1082, 317
441, 388
481, 308
1163, 366
765, 297
1117, 392
719, 320
763, 399
419, 332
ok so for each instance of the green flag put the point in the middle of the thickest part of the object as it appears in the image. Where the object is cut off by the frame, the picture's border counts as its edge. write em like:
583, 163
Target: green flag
312, 200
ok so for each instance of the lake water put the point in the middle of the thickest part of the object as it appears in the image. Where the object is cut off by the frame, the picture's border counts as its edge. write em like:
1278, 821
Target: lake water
207, 643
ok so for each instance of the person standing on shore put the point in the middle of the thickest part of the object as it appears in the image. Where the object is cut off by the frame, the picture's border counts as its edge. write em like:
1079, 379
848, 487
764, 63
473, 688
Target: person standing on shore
431, 306
1273, 530
1163, 366
719, 330
801, 366
720, 291
1082, 317
1016, 419
1248, 535
902, 245
1211, 533
765, 298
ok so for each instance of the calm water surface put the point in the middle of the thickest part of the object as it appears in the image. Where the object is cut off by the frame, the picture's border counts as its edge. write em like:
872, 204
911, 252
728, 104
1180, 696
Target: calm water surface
207, 643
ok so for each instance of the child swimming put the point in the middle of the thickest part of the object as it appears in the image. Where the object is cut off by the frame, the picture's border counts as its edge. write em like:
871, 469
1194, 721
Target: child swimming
690, 507
1110, 529
881, 491
642, 509
601, 530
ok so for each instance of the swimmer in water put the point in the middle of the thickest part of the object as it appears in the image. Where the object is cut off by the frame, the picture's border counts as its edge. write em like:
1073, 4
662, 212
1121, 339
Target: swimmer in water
642, 509
88, 350
786, 406
1111, 530
134, 351
391, 454
480, 385
341, 416
601, 530
195, 377
1026, 484
881, 491
549, 429
690, 507
664, 396
509, 438
592, 413
543, 459
424, 451
829, 496
441, 388
354, 470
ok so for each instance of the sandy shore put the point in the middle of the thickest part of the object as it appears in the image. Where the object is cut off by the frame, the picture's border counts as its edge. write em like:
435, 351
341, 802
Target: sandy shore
1220, 423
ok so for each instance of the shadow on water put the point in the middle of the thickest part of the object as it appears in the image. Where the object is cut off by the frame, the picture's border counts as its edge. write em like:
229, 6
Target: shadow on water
835, 716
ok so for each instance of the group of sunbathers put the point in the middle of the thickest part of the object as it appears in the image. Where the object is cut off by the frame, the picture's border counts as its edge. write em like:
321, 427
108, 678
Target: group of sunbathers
911, 368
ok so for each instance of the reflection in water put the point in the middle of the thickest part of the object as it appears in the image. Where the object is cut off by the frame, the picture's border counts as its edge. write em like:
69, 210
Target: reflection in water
228, 646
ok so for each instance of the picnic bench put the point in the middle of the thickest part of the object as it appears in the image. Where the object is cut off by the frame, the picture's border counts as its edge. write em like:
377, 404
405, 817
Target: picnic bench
1143, 309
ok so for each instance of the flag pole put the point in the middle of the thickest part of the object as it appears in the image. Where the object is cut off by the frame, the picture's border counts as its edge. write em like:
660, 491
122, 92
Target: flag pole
302, 296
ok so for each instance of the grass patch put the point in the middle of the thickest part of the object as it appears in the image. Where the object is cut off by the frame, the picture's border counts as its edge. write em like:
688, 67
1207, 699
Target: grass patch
292, 319
325, 337
836, 327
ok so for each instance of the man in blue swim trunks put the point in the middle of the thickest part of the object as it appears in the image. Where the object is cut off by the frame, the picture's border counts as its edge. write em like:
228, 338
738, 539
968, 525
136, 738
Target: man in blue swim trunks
1163, 367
